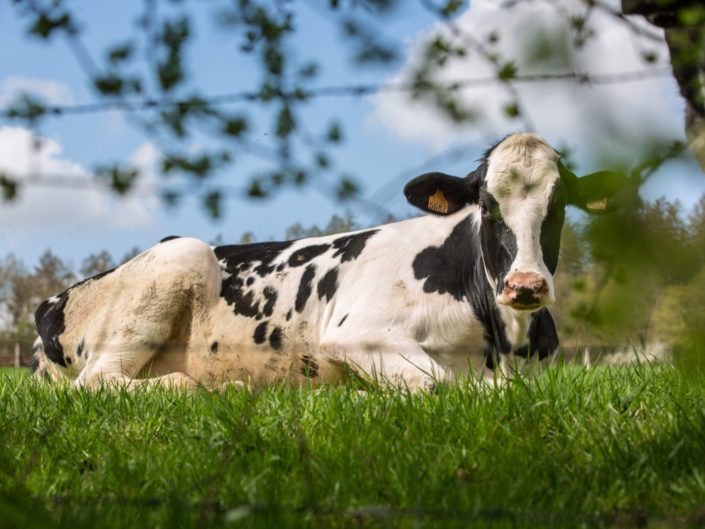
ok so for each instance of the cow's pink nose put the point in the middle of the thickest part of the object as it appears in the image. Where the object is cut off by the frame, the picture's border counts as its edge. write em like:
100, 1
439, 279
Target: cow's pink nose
525, 289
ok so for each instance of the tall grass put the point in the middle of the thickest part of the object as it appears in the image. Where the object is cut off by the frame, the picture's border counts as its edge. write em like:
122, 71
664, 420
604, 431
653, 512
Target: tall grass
571, 448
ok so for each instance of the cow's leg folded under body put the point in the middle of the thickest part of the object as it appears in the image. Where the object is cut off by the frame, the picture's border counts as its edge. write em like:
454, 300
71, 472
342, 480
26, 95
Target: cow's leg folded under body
397, 362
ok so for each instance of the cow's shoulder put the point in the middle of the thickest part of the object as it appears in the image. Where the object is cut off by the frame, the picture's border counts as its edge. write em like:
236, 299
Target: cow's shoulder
446, 267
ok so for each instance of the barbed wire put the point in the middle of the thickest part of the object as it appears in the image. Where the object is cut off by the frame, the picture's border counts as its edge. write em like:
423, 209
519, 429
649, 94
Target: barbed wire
139, 105
381, 512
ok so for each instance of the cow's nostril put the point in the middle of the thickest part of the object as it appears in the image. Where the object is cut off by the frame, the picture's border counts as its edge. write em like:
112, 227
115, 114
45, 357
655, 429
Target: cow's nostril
526, 285
540, 287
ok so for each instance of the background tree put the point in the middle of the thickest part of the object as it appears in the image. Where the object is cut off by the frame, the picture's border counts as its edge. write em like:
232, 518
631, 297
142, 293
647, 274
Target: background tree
21, 291
97, 263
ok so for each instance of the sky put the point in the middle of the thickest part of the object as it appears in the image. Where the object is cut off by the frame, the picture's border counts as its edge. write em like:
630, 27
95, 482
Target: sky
388, 138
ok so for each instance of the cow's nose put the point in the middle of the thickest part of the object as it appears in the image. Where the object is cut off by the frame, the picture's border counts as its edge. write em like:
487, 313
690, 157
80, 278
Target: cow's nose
525, 289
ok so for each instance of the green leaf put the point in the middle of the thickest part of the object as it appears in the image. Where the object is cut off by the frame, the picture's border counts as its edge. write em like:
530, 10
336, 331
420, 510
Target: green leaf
110, 84
285, 122
322, 161
120, 178
507, 72
27, 107
347, 188
650, 56
512, 110
173, 36
46, 24
235, 126
255, 189
452, 7
335, 133
309, 70
120, 53
212, 202
9, 188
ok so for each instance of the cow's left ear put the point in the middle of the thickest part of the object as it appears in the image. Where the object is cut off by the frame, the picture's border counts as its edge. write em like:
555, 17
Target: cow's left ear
437, 193
596, 192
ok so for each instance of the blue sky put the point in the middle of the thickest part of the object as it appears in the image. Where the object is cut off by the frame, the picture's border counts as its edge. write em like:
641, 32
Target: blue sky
386, 136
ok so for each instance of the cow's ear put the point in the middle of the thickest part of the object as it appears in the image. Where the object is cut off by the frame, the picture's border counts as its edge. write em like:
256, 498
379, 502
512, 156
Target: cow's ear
437, 193
596, 192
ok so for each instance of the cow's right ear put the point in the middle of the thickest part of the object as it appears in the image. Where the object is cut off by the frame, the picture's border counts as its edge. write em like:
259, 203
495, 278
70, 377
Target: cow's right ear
438, 193
596, 193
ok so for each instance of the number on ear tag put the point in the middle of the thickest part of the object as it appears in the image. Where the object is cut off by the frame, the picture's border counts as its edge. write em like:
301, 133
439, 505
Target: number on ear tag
438, 202
596, 205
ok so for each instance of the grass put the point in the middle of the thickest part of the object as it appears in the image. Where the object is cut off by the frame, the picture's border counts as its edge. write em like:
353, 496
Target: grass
612, 447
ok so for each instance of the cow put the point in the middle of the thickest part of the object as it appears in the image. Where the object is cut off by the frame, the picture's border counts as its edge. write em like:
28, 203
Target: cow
403, 302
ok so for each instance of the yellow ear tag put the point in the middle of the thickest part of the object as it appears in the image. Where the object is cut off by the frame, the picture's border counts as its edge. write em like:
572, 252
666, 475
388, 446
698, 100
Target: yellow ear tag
437, 202
597, 204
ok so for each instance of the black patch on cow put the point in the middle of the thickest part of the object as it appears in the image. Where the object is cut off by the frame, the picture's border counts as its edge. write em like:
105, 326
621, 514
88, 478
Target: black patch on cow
49, 319
304, 255
482, 301
243, 301
280, 267
275, 339
214, 347
250, 280
328, 284
350, 247
305, 288
552, 226
270, 296
445, 269
260, 335
491, 357
456, 268
343, 320
289, 314
499, 244
79, 349
238, 257
310, 367
169, 238
543, 338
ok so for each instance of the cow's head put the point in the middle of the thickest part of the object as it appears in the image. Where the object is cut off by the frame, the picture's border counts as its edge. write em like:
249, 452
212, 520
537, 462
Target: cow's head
521, 190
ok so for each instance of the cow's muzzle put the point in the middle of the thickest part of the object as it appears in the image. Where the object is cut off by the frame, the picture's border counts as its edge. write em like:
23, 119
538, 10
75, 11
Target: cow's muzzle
524, 291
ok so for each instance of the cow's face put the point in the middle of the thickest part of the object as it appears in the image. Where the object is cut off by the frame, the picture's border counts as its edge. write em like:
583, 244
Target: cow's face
520, 191
522, 204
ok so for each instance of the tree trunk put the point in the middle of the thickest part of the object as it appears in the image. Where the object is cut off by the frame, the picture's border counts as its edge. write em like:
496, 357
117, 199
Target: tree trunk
685, 36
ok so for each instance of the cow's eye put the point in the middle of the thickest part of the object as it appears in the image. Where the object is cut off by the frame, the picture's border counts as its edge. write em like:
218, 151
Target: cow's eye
491, 212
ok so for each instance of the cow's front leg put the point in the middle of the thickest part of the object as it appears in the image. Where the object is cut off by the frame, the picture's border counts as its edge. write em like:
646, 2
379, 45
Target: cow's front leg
399, 363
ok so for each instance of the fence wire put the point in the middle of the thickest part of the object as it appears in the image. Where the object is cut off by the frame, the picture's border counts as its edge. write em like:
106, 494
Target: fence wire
382, 512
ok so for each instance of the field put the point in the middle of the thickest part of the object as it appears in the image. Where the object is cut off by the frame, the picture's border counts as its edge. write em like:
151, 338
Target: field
609, 447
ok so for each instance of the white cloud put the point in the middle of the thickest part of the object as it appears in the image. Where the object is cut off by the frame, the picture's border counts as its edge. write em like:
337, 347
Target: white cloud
51, 92
43, 207
607, 119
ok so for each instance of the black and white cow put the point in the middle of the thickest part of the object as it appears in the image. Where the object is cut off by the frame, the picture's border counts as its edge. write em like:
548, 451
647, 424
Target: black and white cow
403, 302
